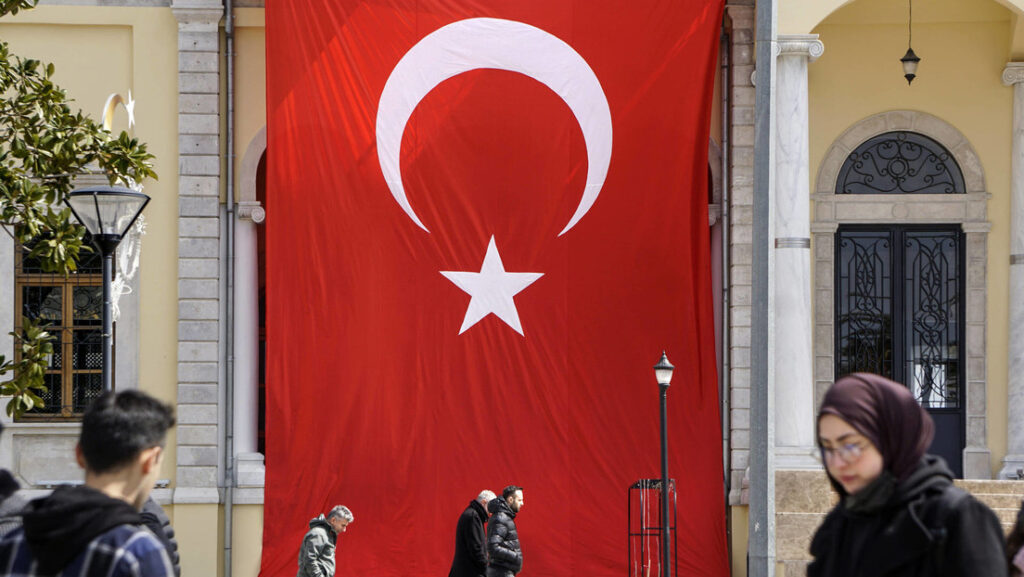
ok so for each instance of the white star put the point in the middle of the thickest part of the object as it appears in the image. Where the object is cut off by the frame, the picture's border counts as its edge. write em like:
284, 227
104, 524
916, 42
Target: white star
130, 107
492, 290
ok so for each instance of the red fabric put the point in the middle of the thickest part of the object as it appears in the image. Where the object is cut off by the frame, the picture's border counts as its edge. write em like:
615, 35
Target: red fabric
375, 399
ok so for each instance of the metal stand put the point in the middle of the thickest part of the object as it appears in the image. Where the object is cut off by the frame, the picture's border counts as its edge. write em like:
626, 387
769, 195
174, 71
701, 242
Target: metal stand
646, 551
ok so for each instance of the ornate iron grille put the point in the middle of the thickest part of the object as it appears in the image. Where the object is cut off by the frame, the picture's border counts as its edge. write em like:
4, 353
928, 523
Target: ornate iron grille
898, 311
900, 162
864, 303
932, 317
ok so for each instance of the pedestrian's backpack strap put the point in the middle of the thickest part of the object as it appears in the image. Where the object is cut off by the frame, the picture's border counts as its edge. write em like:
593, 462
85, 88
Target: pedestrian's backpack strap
949, 500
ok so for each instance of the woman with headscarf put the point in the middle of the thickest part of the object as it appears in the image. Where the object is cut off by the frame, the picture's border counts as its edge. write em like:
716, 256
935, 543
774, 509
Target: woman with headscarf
898, 512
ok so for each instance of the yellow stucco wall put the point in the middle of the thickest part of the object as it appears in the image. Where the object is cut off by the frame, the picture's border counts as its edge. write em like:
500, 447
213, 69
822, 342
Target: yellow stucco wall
738, 517
959, 81
247, 540
200, 530
250, 81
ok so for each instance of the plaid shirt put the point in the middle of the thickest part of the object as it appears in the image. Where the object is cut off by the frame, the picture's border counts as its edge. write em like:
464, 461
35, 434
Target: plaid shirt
124, 551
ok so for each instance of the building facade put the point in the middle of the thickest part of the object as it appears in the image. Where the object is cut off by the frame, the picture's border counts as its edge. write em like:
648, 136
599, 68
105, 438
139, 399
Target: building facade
897, 226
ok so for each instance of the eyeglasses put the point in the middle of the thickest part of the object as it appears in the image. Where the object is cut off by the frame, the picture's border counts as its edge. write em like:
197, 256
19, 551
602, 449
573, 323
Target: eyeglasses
848, 453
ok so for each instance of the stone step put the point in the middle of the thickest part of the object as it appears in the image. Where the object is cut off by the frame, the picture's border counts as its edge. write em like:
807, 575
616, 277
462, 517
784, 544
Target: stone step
1006, 515
793, 532
992, 487
999, 501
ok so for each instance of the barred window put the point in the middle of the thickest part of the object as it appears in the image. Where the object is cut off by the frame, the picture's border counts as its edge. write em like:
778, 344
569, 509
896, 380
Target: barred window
71, 307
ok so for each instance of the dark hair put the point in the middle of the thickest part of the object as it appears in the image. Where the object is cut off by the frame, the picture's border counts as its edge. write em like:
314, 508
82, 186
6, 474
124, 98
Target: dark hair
509, 491
119, 426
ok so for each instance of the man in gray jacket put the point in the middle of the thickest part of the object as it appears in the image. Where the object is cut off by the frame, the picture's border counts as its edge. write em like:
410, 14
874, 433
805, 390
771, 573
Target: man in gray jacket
316, 556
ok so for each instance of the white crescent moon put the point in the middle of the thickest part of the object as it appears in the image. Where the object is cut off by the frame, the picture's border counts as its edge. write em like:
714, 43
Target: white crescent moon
502, 45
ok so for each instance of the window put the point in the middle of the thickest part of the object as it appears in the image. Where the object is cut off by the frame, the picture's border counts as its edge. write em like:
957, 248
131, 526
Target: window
72, 308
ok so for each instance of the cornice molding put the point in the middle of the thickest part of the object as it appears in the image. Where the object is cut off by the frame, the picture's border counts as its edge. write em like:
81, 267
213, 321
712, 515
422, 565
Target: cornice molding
197, 12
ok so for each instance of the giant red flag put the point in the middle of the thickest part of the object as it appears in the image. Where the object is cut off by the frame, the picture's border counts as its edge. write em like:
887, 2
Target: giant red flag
486, 220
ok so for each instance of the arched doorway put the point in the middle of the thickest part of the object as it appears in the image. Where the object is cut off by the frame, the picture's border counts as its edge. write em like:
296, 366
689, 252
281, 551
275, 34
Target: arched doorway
900, 225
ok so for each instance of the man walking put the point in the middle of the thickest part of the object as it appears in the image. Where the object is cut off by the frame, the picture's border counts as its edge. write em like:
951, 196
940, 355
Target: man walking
316, 556
506, 559
95, 530
470, 552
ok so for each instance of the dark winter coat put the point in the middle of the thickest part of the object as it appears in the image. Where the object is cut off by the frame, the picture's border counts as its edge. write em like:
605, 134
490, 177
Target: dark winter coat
502, 539
12, 501
156, 520
316, 557
81, 532
470, 551
922, 527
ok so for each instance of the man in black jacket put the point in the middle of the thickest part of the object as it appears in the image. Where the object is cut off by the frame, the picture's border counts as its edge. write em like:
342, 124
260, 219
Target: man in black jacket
470, 552
506, 559
157, 521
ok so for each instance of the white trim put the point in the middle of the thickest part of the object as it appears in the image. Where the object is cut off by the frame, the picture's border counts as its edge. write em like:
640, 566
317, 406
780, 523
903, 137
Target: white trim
196, 495
249, 468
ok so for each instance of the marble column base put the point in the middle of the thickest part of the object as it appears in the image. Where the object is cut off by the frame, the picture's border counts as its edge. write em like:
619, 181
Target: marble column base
977, 463
249, 470
1011, 465
796, 459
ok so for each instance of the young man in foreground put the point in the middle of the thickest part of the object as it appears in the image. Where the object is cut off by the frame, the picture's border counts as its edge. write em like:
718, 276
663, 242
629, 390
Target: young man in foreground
95, 529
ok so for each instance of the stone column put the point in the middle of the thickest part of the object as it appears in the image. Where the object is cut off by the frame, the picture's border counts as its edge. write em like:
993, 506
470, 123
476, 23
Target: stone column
740, 181
794, 389
977, 456
1013, 75
199, 248
249, 471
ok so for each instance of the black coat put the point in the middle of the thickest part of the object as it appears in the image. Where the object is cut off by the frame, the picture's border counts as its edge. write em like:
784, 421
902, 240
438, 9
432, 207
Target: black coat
926, 528
502, 539
470, 552
12, 501
154, 518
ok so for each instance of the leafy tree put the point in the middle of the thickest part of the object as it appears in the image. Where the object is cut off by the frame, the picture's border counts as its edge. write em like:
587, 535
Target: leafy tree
43, 147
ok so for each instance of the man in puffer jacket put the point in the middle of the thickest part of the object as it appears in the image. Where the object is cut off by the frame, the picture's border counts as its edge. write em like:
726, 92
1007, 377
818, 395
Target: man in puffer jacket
506, 558
316, 556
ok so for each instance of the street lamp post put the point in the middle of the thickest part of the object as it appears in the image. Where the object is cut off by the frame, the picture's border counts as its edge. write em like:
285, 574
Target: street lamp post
107, 212
663, 373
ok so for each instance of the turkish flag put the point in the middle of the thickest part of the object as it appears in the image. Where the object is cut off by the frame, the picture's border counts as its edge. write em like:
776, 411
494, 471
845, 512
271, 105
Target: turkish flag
486, 220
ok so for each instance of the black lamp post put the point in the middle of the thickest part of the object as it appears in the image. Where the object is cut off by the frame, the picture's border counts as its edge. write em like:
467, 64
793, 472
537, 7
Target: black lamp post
107, 212
663, 373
